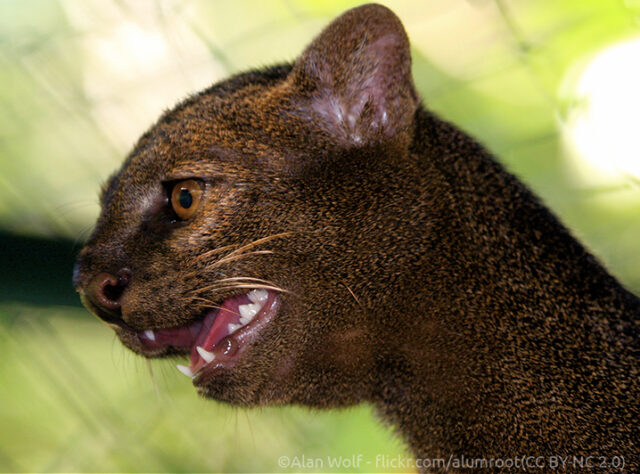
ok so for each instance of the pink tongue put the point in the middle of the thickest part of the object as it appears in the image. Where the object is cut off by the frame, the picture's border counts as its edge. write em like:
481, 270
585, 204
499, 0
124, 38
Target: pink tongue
215, 327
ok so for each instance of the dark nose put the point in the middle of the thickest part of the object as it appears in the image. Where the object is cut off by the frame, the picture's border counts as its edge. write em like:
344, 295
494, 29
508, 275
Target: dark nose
105, 292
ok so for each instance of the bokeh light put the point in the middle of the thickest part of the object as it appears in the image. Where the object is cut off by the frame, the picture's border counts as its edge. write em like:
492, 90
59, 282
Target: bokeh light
603, 126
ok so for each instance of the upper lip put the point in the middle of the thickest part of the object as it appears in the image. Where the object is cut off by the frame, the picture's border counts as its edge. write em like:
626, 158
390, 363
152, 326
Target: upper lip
111, 317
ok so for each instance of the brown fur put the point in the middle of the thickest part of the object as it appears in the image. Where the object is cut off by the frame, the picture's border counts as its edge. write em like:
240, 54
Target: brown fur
421, 277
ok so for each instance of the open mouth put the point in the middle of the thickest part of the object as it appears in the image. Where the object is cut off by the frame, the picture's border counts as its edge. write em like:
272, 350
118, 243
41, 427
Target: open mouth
222, 336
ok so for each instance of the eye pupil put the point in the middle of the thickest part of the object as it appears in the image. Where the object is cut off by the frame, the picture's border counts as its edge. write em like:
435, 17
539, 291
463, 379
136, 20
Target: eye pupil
185, 198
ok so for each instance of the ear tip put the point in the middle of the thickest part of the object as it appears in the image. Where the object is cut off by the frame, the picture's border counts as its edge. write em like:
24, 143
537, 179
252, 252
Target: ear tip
373, 12
372, 9
378, 20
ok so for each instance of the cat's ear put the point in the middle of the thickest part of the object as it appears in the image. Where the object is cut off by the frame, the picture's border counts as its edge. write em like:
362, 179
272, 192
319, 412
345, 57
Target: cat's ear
354, 80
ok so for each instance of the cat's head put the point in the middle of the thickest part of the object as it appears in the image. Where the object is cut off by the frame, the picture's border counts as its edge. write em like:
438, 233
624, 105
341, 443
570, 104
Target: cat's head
253, 221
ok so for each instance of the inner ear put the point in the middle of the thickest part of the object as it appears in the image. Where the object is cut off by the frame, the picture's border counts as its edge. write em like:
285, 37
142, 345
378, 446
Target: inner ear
354, 80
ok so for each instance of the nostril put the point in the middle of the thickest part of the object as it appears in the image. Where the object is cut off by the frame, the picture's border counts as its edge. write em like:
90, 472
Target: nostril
108, 289
111, 293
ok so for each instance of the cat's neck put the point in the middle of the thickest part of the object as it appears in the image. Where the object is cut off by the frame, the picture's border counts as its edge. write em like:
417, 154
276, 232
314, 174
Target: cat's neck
525, 342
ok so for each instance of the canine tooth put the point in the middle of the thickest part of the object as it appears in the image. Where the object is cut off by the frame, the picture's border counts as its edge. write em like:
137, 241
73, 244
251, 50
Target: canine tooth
234, 327
248, 311
150, 335
205, 354
258, 296
185, 370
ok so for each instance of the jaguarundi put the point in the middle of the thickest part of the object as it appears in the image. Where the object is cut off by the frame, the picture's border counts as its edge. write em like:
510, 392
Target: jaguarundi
311, 234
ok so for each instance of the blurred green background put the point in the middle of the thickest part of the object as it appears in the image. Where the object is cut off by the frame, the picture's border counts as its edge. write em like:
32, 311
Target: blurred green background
81, 79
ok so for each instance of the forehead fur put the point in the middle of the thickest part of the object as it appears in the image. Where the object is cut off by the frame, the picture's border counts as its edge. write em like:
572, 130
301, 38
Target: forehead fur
211, 119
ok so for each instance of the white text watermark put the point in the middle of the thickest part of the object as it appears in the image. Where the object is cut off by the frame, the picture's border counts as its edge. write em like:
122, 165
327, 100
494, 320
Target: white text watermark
386, 463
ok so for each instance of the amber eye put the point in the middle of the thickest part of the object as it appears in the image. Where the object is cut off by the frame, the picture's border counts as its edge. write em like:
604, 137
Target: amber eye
185, 198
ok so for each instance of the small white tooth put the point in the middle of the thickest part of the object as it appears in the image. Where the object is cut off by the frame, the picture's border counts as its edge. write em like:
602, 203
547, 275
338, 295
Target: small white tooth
185, 370
248, 311
205, 354
234, 327
258, 296
245, 321
150, 335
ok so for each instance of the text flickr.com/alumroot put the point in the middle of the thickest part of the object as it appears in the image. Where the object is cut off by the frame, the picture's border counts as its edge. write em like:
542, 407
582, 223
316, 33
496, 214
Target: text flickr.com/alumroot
384, 461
